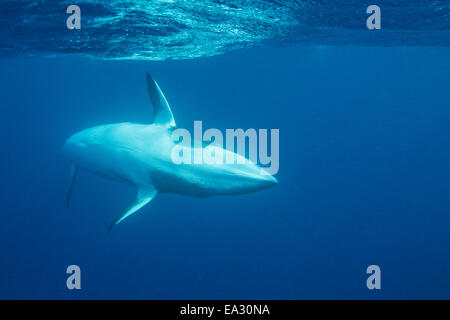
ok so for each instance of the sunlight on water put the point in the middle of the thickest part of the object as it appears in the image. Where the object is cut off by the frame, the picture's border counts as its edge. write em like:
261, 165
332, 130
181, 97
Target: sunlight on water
168, 29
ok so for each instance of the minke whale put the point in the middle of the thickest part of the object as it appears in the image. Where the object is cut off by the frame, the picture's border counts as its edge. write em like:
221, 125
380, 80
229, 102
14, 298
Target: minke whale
140, 155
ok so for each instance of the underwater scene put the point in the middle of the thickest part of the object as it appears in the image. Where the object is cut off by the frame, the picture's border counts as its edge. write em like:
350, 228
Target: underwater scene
225, 149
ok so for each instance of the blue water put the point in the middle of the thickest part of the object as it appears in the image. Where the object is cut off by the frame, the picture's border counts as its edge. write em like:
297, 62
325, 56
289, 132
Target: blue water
168, 29
364, 164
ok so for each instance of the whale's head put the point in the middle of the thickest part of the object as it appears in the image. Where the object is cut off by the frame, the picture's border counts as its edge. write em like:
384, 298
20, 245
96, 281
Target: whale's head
251, 178
267, 180
237, 175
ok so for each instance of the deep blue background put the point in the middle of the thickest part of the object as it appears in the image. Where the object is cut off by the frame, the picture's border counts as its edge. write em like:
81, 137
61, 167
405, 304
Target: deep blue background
364, 178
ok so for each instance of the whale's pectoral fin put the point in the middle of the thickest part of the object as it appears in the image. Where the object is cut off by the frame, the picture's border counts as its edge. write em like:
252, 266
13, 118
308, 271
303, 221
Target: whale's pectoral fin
144, 196
73, 176
161, 108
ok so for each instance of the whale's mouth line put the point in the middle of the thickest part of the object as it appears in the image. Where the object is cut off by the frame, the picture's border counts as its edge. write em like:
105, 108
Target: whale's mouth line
257, 150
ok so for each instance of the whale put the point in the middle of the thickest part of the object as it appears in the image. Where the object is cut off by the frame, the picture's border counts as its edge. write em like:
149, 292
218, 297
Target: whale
141, 155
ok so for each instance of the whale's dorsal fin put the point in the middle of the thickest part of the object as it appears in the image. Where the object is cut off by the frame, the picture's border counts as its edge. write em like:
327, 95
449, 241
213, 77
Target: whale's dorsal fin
144, 196
161, 108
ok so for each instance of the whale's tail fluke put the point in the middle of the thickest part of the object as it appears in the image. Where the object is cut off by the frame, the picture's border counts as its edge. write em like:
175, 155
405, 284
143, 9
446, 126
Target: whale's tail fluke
72, 177
144, 196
